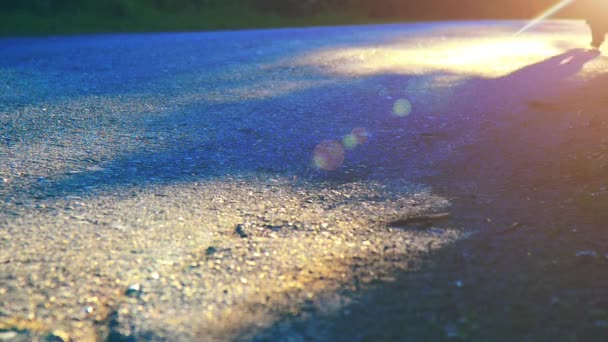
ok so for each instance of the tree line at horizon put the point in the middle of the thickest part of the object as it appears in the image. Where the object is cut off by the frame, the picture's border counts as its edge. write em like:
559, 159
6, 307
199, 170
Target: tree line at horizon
374, 9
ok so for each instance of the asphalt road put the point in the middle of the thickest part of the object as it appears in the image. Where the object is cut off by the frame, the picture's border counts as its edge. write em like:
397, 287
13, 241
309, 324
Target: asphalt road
258, 184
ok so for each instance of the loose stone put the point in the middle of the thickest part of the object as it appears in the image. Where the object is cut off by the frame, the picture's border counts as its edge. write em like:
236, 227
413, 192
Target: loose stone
240, 230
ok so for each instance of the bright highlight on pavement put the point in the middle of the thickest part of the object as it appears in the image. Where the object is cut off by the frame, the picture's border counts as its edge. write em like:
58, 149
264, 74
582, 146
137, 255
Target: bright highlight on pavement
495, 53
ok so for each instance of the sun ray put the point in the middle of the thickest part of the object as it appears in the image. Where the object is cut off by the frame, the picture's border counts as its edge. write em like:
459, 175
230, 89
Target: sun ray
546, 14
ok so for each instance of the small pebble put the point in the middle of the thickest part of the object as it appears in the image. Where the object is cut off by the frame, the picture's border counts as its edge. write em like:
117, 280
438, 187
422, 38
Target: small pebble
240, 230
133, 290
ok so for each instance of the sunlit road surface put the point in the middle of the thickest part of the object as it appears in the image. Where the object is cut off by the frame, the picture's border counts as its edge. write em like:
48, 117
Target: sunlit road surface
207, 185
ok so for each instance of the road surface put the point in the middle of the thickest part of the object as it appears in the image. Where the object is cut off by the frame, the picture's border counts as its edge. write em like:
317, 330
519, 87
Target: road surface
261, 185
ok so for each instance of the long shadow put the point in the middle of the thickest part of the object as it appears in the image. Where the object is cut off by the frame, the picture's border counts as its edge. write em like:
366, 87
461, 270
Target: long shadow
515, 281
414, 147
551, 70
527, 98
275, 136
278, 135
540, 80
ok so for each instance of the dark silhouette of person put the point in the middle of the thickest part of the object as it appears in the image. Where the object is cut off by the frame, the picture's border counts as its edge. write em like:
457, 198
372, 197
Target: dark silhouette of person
596, 13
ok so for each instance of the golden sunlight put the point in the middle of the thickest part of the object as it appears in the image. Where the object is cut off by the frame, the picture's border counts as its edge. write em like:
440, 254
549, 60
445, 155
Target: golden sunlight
495, 55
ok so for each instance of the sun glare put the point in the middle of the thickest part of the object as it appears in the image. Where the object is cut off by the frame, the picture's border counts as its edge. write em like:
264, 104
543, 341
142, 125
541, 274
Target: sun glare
493, 55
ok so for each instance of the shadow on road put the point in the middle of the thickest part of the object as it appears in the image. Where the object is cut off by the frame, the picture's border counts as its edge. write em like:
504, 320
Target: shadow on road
471, 141
278, 135
551, 70
533, 188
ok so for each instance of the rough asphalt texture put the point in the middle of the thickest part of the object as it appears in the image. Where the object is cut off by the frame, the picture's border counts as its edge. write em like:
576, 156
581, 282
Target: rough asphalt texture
162, 186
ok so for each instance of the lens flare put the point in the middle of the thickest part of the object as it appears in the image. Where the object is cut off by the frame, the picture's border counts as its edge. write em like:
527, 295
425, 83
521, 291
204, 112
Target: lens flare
402, 107
356, 137
328, 155
361, 134
350, 141
546, 14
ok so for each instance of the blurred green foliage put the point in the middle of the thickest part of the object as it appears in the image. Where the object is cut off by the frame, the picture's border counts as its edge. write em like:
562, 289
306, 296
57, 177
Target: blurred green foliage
84, 16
